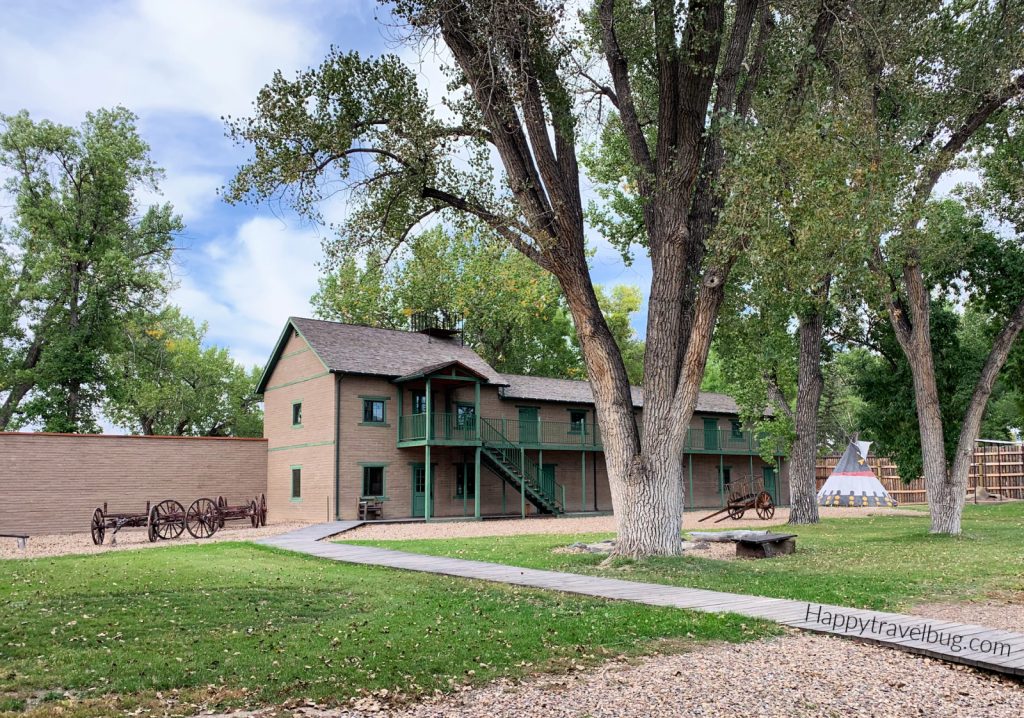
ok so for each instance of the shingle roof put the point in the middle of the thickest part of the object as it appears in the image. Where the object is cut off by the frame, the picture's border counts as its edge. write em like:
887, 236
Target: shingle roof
354, 349
579, 392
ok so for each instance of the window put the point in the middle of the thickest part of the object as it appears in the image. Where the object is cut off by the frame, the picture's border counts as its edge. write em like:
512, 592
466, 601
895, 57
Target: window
296, 482
297, 413
726, 477
373, 411
419, 402
577, 421
465, 481
465, 416
737, 429
373, 481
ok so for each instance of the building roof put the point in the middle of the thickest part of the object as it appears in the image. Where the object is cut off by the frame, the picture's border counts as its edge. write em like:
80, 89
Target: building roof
569, 391
352, 349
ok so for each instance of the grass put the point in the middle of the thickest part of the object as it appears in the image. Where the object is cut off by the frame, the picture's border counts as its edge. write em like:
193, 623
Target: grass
882, 562
232, 624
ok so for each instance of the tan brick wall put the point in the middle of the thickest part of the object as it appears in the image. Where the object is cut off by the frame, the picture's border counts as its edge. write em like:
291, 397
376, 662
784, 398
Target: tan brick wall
52, 483
300, 377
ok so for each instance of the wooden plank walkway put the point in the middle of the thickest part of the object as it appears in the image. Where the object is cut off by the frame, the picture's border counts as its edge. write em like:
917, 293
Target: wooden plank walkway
978, 646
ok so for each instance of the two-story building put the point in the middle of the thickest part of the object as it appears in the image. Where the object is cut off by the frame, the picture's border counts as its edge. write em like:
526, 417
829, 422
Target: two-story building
421, 426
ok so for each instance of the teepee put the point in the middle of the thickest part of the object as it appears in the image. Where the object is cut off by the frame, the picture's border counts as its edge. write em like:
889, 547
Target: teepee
852, 482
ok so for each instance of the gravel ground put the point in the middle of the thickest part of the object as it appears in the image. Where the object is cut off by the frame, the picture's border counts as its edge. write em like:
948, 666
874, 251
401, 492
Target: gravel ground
798, 676
65, 544
1004, 611
580, 525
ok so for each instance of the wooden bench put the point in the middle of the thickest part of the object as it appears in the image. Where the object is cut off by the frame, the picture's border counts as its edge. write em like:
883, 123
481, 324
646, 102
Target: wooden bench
370, 509
22, 539
766, 545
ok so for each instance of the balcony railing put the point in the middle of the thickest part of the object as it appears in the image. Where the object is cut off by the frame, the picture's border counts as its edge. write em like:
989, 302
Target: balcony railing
540, 434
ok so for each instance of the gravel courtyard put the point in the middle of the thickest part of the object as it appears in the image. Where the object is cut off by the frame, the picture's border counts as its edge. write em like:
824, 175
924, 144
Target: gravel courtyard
583, 524
797, 676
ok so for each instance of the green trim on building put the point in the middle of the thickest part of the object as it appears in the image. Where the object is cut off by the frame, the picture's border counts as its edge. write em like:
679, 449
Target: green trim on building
383, 400
295, 496
299, 403
297, 381
295, 353
302, 446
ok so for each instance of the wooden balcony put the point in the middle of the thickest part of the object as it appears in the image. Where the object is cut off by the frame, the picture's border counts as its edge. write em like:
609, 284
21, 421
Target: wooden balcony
461, 430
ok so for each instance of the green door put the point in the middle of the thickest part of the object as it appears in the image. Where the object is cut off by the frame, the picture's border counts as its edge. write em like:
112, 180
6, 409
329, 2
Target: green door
547, 480
711, 434
419, 489
528, 425
769, 482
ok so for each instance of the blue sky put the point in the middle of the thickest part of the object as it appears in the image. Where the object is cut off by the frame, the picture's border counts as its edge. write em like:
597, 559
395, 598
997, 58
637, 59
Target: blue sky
180, 66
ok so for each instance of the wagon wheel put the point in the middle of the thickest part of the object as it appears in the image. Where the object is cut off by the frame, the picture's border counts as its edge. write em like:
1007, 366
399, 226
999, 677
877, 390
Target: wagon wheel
764, 505
736, 511
254, 514
166, 520
98, 527
263, 509
202, 518
222, 504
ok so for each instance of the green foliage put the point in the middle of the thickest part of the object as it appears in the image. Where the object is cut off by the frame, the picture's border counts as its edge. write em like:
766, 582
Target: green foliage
79, 256
961, 341
264, 626
166, 382
932, 568
516, 318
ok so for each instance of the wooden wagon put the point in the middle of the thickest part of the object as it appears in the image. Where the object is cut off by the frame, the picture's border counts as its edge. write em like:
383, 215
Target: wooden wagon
746, 493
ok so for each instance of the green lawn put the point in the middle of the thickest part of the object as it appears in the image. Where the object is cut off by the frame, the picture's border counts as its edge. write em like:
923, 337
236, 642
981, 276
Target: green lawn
232, 624
884, 562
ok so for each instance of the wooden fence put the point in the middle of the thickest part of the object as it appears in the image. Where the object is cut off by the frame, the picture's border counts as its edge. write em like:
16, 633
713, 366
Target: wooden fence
998, 467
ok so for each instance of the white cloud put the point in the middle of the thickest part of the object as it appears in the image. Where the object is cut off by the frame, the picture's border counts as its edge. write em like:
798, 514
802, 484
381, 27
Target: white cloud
194, 56
271, 275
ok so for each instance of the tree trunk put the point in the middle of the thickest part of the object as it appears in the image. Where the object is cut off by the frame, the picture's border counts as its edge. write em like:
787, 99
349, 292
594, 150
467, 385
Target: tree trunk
975, 413
803, 487
20, 390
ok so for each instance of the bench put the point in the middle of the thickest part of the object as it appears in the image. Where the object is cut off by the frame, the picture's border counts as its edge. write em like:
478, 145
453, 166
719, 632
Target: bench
765, 545
22, 539
370, 509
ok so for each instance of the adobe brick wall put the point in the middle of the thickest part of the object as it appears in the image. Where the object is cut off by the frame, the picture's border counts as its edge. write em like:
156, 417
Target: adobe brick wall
52, 483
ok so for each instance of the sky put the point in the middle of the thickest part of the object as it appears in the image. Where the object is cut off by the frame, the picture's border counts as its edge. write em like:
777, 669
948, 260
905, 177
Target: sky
182, 65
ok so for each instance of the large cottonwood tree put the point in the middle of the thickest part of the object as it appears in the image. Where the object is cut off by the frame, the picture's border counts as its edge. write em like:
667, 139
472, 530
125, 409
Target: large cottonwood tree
942, 76
506, 154
78, 255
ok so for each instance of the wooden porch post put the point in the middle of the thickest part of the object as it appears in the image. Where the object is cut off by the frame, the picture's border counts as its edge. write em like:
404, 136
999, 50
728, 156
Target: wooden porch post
427, 469
721, 477
476, 474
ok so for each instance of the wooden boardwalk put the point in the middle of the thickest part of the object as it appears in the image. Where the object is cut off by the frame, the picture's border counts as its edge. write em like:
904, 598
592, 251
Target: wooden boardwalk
978, 646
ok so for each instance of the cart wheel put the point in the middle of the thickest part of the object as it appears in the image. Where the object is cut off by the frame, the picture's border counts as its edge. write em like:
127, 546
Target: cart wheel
764, 506
222, 504
263, 509
98, 527
202, 518
254, 514
166, 520
736, 512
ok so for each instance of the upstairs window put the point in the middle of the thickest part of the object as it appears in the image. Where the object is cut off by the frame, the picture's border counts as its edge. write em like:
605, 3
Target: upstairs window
297, 413
373, 482
465, 416
577, 421
737, 429
296, 482
373, 411
419, 402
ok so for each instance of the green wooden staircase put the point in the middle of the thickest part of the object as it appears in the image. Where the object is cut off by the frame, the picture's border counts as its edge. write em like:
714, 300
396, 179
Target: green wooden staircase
511, 464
